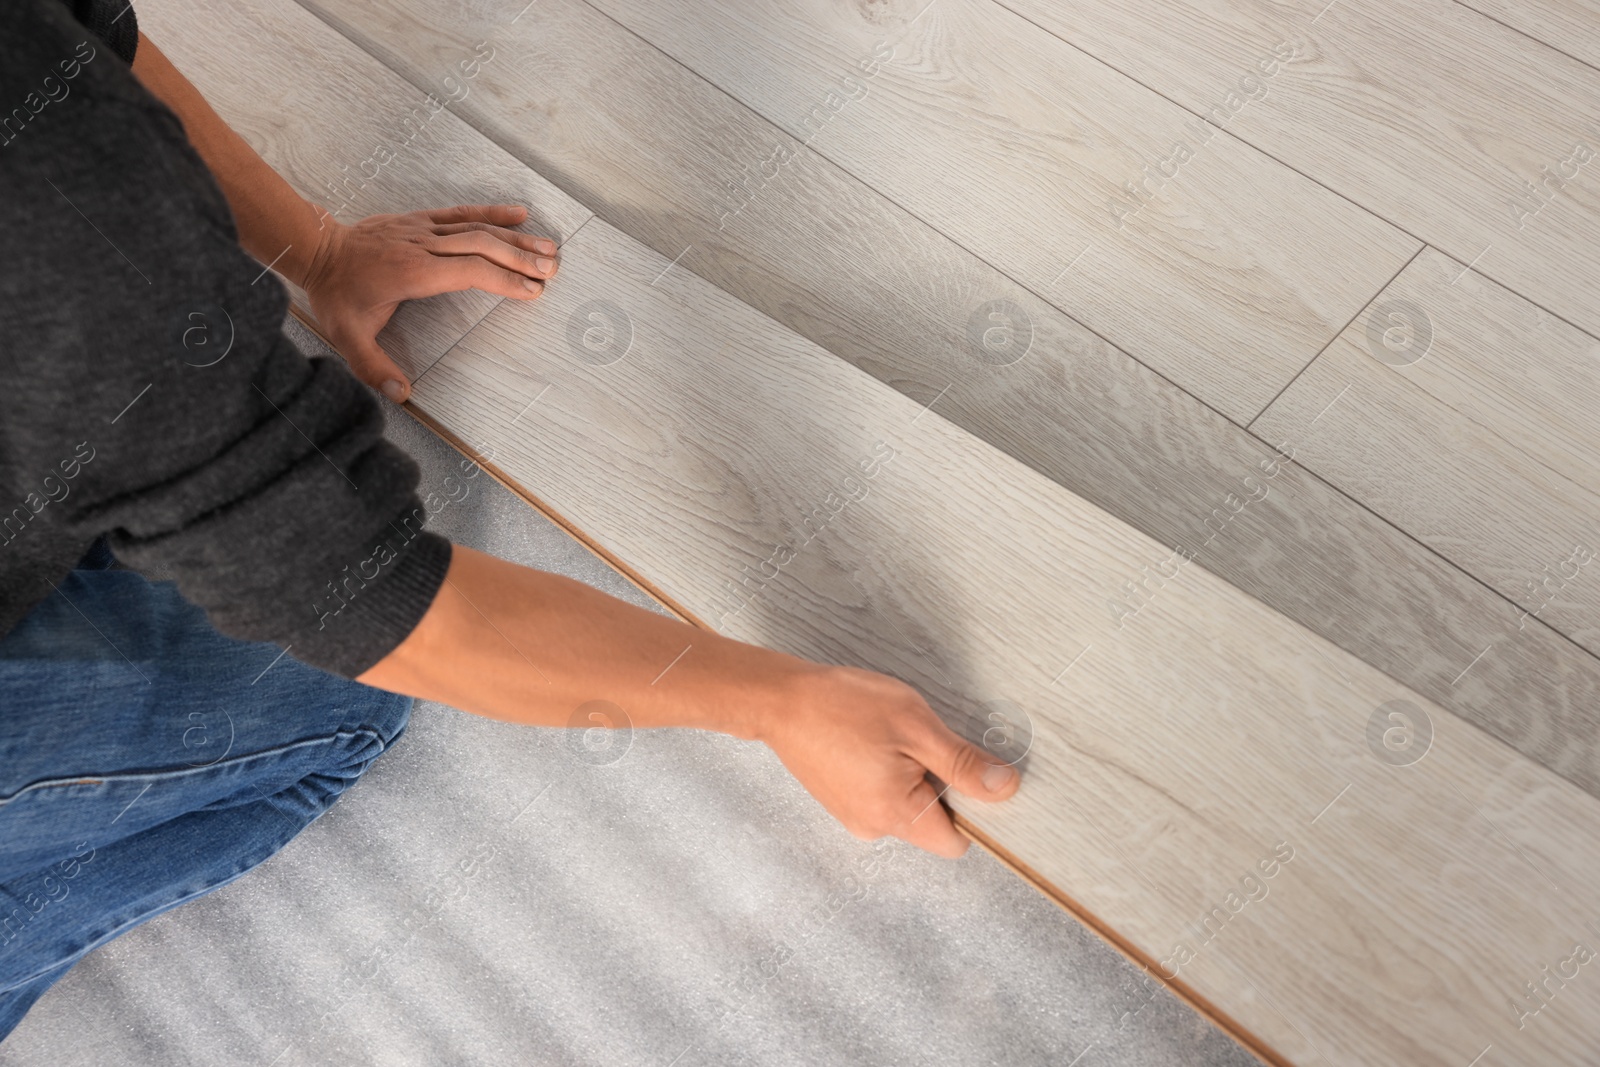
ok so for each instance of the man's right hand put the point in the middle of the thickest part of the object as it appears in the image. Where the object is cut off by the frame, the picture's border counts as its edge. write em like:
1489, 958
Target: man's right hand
860, 743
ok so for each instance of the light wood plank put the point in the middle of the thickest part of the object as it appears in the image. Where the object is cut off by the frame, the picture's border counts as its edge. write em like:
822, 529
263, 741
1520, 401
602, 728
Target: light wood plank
377, 144
1571, 26
1166, 762
1433, 116
1228, 284
586, 101
1481, 442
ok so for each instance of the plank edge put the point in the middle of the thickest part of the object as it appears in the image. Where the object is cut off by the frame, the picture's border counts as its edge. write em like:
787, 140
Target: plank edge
1207, 1010
644, 584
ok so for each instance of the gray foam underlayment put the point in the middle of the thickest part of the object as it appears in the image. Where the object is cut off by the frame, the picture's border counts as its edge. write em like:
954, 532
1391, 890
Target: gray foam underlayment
487, 895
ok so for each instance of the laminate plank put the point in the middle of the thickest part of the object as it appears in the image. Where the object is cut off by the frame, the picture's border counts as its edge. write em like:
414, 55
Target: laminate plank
378, 144
1465, 415
1470, 135
1570, 26
787, 498
1228, 286
653, 149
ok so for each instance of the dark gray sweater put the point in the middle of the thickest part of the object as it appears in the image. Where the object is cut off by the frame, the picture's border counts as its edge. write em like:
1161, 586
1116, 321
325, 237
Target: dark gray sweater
149, 393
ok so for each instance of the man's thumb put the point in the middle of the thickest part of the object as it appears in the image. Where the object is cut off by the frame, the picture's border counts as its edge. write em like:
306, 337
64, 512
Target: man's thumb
968, 768
369, 362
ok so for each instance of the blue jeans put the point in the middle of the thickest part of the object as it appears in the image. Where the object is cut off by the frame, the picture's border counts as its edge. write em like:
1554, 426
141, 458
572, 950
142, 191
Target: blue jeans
146, 759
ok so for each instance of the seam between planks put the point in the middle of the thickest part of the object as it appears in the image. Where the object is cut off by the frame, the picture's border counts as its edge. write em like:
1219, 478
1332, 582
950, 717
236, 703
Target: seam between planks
1246, 141
886, 198
1524, 33
1277, 396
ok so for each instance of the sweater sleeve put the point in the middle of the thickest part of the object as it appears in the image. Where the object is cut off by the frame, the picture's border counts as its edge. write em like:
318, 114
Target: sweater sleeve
148, 379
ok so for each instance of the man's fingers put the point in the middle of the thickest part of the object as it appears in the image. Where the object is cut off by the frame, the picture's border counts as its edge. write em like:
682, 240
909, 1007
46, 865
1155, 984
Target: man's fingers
526, 241
495, 214
965, 766
486, 246
372, 365
451, 274
930, 827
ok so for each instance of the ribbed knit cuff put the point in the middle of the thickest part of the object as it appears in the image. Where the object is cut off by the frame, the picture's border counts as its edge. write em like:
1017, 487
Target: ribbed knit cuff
360, 620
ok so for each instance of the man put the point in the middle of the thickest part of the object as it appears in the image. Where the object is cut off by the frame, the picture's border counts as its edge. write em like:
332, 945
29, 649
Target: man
158, 739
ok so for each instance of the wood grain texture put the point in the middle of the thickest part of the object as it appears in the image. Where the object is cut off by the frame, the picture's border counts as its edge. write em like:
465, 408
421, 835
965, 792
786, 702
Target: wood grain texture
1570, 26
1482, 442
652, 147
1225, 278
354, 138
1472, 136
794, 501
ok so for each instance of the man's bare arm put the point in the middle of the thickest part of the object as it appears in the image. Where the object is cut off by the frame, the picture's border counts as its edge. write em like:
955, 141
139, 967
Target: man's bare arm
525, 646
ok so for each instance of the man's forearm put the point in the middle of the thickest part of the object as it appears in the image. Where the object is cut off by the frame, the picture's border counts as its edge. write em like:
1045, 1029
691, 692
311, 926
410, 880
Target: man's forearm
276, 224
526, 646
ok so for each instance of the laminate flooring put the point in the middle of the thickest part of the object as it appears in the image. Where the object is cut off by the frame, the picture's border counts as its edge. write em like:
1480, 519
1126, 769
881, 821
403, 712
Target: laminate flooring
1466, 415
1177, 750
1455, 127
313, 995
1570, 26
1332, 865
665, 155
1016, 146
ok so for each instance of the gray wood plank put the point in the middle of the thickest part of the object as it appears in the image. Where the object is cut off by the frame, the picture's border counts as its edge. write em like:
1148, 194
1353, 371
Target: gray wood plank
649, 145
377, 145
1472, 136
1228, 283
1466, 416
1168, 754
